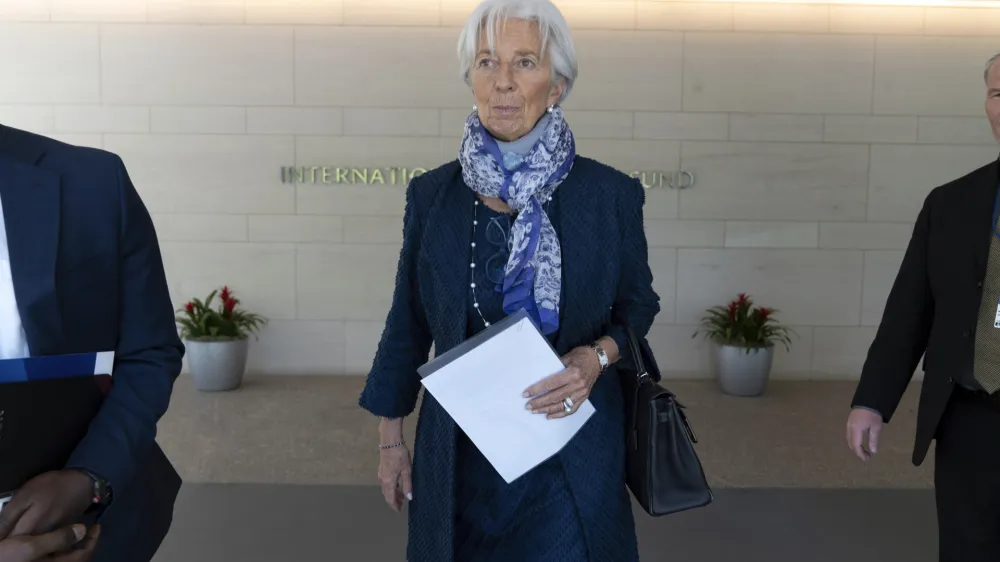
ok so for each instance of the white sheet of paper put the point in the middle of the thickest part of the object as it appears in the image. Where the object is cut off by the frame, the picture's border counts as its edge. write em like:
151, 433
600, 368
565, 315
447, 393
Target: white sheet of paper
482, 389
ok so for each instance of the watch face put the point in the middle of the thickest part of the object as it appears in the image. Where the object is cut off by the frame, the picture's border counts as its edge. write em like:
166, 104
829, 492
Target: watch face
101, 490
602, 356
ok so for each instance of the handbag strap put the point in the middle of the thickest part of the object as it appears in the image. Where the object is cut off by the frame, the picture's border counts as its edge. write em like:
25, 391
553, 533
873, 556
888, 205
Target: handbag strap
633, 344
641, 376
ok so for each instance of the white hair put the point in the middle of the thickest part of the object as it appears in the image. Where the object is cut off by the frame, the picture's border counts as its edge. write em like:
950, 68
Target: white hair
989, 65
551, 26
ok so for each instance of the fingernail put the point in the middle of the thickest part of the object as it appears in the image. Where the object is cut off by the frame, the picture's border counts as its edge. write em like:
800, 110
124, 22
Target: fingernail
525, 394
527, 406
409, 496
79, 531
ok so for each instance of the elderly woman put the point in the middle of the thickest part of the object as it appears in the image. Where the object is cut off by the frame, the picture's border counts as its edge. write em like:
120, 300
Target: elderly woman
519, 221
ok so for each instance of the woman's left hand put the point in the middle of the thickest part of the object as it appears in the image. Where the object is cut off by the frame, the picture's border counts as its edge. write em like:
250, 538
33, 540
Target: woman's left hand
574, 382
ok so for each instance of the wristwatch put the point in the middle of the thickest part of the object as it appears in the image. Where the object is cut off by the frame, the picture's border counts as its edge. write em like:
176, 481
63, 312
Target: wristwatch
602, 356
102, 489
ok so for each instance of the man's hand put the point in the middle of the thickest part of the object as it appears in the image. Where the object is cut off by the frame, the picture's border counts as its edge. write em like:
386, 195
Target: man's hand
860, 424
47, 502
81, 552
63, 545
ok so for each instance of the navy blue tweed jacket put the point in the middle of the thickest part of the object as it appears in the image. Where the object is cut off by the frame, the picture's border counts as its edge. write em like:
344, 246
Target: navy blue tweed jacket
605, 265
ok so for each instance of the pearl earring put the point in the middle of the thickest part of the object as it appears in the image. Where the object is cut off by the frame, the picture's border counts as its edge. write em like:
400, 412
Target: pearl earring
549, 110
475, 107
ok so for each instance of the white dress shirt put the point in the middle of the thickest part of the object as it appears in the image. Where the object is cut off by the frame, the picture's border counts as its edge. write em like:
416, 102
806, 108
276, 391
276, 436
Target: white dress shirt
13, 342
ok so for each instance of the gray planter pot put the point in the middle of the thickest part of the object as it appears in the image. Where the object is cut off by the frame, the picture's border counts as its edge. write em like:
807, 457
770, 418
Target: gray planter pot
217, 365
741, 372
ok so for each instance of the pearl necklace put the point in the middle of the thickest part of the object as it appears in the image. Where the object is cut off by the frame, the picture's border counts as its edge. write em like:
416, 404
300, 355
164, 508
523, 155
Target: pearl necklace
472, 264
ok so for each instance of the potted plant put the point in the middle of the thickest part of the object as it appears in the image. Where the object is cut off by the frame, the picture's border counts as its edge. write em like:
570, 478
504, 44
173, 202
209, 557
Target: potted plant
743, 338
216, 340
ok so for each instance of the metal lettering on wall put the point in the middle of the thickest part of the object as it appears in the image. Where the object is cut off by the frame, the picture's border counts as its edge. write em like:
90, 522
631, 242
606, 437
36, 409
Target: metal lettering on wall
674, 180
363, 176
401, 176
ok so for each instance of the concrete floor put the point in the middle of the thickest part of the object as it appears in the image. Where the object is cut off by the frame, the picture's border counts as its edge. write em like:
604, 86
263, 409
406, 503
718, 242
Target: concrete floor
290, 523
309, 430
284, 469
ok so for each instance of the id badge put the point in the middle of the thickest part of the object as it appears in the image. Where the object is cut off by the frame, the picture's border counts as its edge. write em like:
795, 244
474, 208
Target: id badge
996, 319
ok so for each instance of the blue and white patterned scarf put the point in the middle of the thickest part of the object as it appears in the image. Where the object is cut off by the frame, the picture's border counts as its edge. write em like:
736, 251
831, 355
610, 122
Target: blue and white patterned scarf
533, 277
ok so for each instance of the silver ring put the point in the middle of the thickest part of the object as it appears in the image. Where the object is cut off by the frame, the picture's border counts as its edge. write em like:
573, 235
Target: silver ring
567, 404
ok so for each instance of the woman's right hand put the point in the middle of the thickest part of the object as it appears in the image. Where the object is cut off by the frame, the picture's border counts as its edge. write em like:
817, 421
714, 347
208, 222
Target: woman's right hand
394, 471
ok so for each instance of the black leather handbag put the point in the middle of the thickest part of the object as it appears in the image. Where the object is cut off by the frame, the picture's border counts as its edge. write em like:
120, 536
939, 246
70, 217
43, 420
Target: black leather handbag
662, 467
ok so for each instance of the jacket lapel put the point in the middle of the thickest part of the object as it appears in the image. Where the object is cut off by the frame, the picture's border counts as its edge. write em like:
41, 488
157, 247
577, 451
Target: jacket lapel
446, 254
30, 199
576, 225
980, 211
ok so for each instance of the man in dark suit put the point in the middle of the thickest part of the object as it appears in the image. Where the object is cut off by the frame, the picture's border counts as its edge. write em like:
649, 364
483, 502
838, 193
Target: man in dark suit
945, 306
82, 262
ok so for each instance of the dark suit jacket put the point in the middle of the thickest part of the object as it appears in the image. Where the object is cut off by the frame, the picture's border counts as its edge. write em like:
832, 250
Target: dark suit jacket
934, 304
605, 265
88, 277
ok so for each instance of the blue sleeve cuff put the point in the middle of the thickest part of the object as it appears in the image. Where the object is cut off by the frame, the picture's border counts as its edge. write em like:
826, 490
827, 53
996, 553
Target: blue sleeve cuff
617, 333
396, 402
113, 475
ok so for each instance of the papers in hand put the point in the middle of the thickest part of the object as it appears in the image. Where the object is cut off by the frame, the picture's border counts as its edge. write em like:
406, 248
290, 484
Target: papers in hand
480, 384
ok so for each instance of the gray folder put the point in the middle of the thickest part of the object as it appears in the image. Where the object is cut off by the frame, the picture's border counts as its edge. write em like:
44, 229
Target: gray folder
475, 341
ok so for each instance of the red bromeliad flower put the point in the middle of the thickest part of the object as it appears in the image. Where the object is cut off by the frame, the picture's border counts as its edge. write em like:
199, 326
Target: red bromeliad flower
732, 311
765, 313
226, 294
189, 307
229, 304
